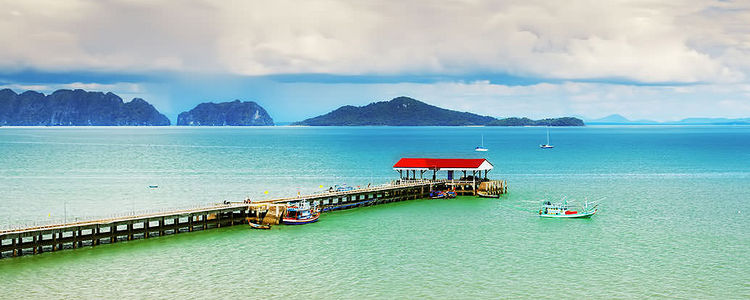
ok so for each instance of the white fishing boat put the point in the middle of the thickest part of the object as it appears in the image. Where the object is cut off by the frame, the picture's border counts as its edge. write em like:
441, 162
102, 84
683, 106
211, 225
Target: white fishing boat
481, 148
563, 209
547, 145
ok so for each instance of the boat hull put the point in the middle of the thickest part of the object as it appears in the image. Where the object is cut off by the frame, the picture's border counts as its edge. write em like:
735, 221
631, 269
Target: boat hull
570, 216
289, 221
485, 195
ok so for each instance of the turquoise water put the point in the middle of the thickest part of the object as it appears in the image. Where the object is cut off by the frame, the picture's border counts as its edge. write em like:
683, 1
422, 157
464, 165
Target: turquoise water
674, 223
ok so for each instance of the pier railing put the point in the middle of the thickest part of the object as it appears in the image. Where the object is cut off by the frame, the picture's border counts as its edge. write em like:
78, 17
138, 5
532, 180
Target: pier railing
138, 214
60, 222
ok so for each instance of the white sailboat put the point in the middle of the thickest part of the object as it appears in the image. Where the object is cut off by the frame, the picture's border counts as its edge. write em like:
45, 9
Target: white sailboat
547, 145
481, 148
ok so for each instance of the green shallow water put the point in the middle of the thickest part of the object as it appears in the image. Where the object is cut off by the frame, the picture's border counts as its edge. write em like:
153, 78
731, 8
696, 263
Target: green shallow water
674, 224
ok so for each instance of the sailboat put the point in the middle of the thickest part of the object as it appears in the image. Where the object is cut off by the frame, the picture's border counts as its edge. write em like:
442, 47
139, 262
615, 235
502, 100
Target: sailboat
481, 148
547, 145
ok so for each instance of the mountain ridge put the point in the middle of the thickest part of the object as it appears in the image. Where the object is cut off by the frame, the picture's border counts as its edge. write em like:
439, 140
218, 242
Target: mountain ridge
234, 113
399, 111
76, 108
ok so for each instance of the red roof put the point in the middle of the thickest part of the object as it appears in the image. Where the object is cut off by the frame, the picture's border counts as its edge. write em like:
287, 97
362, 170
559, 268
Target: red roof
439, 163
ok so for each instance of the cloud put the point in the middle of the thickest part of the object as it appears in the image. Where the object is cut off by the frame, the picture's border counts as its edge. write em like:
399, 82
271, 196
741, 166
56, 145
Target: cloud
687, 41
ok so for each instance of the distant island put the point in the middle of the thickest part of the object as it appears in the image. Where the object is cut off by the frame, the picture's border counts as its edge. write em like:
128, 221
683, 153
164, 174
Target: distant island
76, 108
233, 113
401, 111
405, 111
616, 119
564, 121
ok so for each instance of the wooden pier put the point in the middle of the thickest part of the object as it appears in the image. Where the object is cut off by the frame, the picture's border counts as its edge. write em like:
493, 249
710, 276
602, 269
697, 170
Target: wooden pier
55, 237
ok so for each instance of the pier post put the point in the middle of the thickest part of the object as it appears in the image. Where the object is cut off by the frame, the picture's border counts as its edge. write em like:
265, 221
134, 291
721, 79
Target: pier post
231, 218
60, 237
145, 229
130, 230
190, 223
205, 221
161, 227
75, 239
13, 245
19, 249
95, 240
80, 241
113, 233
176, 225
35, 243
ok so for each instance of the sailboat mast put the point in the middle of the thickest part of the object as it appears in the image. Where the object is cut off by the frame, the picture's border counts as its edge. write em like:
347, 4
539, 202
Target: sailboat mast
547, 135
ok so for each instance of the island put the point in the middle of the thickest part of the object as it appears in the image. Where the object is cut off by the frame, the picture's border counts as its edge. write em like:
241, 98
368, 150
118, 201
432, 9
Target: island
235, 113
76, 108
564, 121
405, 111
400, 111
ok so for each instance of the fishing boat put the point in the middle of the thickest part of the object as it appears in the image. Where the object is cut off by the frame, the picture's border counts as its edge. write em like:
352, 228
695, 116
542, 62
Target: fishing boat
547, 145
442, 194
483, 194
563, 210
481, 148
257, 226
300, 213
437, 195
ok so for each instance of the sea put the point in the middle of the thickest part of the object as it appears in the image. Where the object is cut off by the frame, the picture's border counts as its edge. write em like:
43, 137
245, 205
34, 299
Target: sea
674, 218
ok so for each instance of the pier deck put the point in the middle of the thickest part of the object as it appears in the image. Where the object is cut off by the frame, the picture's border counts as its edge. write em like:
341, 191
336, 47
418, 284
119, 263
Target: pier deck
55, 237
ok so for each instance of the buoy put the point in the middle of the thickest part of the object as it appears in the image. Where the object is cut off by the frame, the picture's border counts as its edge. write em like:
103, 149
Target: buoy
265, 192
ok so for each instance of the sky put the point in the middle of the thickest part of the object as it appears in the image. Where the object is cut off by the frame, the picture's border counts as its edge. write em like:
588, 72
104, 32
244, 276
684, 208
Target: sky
657, 60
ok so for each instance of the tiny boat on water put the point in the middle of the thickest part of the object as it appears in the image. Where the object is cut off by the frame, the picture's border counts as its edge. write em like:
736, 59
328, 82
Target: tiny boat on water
547, 145
487, 195
563, 210
442, 194
257, 226
300, 213
438, 195
481, 148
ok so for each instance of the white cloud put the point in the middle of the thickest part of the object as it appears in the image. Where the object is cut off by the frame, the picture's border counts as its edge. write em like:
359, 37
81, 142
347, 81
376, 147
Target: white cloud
646, 41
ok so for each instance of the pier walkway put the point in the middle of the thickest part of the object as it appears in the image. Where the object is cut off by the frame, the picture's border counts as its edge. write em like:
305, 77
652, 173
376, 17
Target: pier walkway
35, 239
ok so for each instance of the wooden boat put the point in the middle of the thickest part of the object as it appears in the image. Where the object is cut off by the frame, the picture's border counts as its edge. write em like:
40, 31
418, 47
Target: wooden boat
487, 195
563, 210
438, 195
300, 213
258, 226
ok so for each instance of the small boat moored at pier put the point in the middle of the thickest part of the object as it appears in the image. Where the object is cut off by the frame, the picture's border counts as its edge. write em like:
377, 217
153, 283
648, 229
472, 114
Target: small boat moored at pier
563, 210
442, 194
483, 194
257, 226
300, 213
